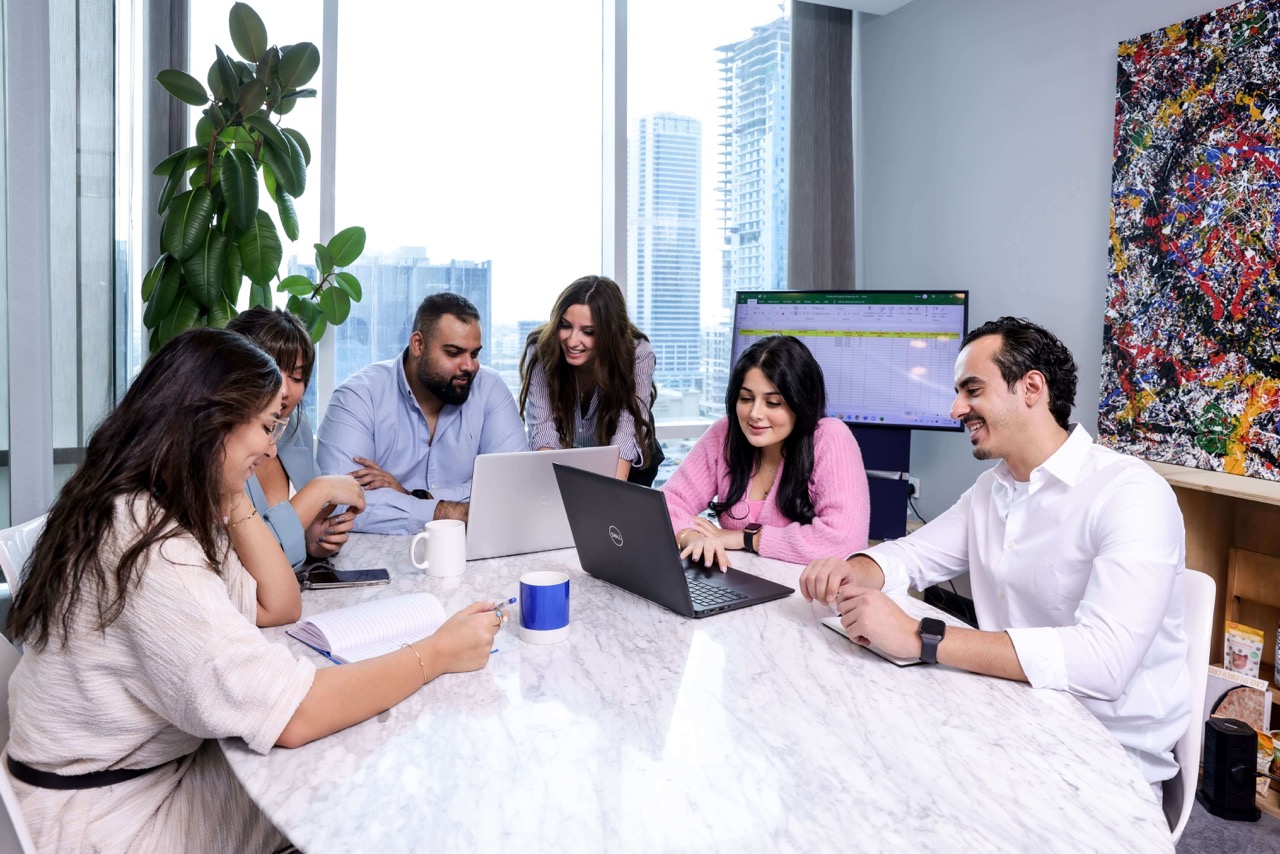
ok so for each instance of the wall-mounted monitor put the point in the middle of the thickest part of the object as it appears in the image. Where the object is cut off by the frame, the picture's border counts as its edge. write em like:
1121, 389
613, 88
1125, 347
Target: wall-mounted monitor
888, 357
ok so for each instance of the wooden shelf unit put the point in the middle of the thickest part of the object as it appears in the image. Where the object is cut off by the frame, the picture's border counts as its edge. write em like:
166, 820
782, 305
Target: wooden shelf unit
1222, 512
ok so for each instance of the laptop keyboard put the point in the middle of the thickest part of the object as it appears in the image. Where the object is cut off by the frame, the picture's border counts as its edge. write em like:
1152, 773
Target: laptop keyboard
706, 595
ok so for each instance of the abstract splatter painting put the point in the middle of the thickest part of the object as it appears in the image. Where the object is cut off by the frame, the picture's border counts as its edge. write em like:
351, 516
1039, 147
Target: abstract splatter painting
1191, 342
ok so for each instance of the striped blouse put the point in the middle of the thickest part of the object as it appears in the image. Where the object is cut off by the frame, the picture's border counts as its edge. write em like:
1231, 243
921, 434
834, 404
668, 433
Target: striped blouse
539, 415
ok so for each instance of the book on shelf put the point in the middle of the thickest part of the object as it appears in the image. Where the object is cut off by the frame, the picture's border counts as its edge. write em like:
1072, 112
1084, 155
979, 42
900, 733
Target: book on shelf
371, 628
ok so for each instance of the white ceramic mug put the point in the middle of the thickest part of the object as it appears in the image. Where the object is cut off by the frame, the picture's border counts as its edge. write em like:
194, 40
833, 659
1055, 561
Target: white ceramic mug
446, 551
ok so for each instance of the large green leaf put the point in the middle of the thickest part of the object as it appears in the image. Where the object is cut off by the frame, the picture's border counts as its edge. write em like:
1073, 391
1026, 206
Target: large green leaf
260, 295
188, 220
335, 305
294, 94
188, 156
185, 314
252, 96
204, 269
232, 274
283, 108
346, 246
317, 330
160, 290
324, 259
260, 251
288, 165
268, 130
223, 81
220, 313
350, 284
288, 216
183, 86
248, 33
171, 185
303, 309
240, 187
152, 278
298, 64
302, 143
298, 285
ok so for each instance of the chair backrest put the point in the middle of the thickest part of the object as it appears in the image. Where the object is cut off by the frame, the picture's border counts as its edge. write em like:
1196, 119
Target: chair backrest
14, 835
1180, 792
16, 544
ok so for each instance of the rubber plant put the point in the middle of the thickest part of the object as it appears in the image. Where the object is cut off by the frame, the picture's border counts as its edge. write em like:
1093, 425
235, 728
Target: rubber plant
217, 232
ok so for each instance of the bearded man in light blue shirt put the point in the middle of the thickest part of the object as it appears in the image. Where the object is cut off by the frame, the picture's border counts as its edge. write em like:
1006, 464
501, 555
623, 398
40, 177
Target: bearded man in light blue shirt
414, 425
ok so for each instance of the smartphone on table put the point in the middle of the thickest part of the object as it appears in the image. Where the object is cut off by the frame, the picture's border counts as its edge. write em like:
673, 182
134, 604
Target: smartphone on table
322, 575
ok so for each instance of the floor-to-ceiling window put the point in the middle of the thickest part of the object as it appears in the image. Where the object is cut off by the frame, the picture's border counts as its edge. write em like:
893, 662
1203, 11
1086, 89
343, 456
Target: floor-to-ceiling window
468, 142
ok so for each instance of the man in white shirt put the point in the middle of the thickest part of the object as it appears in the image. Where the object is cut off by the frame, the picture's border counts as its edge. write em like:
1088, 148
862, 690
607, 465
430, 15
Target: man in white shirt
1075, 555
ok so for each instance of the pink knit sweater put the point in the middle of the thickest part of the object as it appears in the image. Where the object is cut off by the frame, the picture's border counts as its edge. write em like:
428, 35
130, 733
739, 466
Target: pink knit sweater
838, 488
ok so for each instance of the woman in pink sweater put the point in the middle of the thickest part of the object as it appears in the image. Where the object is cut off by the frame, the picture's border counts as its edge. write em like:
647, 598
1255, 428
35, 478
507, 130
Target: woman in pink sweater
784, 481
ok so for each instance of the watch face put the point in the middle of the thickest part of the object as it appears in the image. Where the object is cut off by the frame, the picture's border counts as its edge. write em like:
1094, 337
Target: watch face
932, 627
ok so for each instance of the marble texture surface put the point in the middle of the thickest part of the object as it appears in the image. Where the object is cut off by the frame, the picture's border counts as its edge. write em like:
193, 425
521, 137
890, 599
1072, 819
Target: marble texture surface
754, 730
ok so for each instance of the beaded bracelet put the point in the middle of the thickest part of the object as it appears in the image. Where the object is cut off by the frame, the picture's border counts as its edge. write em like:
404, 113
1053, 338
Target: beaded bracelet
420, 664
253, 513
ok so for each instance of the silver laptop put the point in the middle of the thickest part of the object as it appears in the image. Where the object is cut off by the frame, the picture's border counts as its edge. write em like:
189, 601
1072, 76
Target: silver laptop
515, 503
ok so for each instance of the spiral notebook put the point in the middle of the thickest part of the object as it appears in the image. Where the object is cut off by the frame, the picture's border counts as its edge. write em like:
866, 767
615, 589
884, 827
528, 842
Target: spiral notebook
371, 628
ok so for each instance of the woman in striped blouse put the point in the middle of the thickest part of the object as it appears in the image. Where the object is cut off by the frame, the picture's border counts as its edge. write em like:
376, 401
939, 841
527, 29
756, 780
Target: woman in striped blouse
587, 379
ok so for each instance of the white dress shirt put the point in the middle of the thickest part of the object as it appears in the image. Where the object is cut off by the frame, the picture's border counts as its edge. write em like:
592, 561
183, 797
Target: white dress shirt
1083, 567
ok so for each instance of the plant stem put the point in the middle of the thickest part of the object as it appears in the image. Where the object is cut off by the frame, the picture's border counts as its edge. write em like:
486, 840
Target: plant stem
208, 162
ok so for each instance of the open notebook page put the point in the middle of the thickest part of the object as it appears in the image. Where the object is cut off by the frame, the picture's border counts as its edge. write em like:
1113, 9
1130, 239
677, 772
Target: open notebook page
371, 628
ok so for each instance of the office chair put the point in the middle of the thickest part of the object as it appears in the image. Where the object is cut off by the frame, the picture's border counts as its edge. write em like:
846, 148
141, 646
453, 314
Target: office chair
1180, 792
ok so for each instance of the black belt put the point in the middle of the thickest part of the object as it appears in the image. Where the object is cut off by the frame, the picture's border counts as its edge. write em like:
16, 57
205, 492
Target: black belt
93, 780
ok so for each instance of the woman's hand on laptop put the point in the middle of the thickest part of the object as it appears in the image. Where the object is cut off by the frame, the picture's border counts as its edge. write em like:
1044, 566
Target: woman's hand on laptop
706, 543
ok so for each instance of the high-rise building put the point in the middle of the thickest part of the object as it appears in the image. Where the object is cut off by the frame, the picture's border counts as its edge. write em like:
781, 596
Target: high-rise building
755, 131
394, 283
664, 247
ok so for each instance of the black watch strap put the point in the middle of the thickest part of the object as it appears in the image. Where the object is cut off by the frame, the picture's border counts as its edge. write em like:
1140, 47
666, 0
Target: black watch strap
421, 494
750, 537
931, 633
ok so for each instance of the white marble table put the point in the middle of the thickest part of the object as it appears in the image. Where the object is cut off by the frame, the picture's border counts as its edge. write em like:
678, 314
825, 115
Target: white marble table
755, 730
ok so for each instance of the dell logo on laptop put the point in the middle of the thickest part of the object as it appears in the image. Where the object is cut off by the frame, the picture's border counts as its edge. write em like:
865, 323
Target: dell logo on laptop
615, 535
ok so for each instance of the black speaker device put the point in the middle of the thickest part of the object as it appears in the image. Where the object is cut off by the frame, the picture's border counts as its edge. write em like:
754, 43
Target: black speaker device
1230, 767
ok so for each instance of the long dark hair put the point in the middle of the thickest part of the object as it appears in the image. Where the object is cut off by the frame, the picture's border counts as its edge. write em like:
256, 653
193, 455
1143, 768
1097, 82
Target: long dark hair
613, 362
797, 376
163, 442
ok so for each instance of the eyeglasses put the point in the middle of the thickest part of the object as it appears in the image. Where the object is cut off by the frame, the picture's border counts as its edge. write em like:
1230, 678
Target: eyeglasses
281, 424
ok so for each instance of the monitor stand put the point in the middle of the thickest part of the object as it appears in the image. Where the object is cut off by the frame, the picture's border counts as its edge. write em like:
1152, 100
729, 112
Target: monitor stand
886, 455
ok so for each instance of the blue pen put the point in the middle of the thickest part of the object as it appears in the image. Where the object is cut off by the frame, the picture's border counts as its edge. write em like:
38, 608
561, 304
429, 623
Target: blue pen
501, 604
497, 609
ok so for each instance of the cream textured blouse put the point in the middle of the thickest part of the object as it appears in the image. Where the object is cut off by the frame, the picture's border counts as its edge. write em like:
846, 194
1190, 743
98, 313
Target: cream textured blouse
184, 663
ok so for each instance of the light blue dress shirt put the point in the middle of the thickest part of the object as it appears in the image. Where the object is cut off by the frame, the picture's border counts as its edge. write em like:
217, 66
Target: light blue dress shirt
296, 452
374, 415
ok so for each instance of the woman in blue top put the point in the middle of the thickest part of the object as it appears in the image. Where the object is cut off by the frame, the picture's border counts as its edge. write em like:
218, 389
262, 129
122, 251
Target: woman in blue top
288, 490
587, 379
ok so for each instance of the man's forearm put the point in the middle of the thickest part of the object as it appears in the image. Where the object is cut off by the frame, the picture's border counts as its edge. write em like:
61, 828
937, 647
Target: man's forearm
452, 510
989, 653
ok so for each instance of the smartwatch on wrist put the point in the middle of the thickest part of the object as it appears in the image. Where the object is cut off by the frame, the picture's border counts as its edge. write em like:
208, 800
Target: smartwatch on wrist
750, 535
421, 494
931, 632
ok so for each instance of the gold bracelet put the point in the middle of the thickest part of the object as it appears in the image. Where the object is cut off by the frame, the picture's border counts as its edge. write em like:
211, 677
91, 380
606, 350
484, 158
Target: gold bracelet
245, 519
420, 664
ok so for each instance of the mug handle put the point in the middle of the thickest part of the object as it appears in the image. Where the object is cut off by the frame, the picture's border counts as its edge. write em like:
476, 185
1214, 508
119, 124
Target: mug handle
413, 550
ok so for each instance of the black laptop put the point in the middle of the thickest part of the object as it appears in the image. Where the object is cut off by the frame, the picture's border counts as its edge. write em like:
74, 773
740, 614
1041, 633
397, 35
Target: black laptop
623, 536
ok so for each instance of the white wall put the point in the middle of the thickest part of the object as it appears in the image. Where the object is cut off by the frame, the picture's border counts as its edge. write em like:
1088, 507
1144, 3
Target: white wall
985, 140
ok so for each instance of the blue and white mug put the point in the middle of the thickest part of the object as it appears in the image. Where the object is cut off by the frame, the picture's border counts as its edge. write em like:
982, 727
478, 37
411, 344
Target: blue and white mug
544, 607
